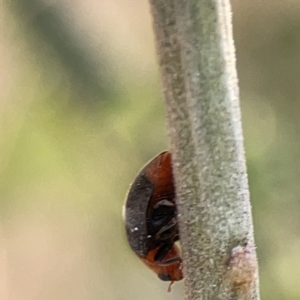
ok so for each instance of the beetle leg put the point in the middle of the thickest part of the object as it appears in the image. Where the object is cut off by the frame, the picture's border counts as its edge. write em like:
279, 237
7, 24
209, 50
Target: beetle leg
171, 224
169, 261
164, 202
161, 254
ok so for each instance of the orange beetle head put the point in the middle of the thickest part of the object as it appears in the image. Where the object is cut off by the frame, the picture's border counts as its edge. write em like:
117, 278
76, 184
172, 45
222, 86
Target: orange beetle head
171, 272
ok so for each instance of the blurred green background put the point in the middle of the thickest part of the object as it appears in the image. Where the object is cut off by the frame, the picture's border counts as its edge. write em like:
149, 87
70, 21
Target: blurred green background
81, 112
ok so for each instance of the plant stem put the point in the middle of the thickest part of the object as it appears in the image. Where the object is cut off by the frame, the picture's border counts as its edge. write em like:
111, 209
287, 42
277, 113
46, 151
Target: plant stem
197, 62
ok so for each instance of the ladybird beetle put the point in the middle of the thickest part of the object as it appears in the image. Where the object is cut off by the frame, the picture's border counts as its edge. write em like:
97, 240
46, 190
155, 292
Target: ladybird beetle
150, 216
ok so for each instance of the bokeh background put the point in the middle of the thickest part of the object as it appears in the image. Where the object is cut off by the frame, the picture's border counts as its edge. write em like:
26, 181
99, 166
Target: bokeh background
81, 112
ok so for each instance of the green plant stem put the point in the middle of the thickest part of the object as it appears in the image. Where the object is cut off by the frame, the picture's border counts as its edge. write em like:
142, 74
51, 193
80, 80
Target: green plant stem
197, 62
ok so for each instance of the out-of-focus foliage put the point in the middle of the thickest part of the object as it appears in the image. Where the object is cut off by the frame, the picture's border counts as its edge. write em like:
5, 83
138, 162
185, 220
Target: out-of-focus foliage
81, 112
